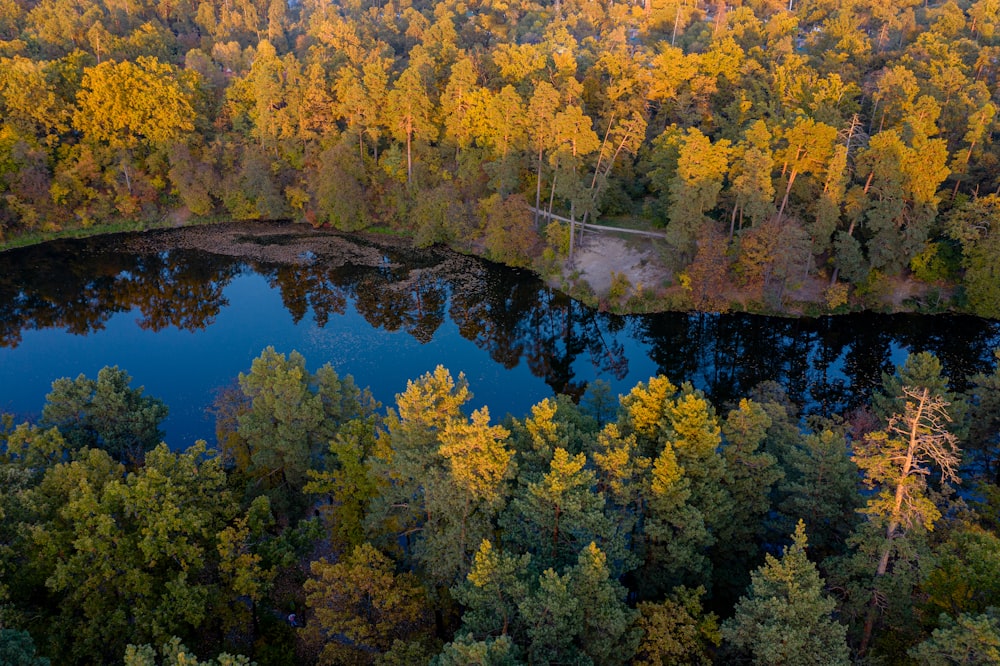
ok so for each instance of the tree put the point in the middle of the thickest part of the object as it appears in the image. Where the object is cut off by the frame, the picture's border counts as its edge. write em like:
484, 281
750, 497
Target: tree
677, 630
606, 632
264, 97
975, 225
785, 618
820, 489
897, 462
542, 109
806, 147
901, 181
130, 104
510, 234
348, 481
445, 477
338, 183
553, 518
983, 442
360, 607
174, 653
150, 536
492, 592
30, 101
750, 176
751, 475
291, 416
408, 111
966, 575
466, 651
694, 188
967, 639
18, 649
498, 123
105, 413
574, 139
686, 499
552, 618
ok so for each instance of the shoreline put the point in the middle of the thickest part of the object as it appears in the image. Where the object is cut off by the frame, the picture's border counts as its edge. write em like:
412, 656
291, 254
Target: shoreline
607, 274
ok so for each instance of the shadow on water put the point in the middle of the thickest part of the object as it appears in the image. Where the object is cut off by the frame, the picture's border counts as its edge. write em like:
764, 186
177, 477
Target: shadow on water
829, 364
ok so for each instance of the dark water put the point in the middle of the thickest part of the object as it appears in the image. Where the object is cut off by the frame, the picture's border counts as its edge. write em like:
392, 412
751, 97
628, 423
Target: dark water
184, 320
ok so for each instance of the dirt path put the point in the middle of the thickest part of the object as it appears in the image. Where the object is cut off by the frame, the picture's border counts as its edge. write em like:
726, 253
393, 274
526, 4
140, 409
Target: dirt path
599, 256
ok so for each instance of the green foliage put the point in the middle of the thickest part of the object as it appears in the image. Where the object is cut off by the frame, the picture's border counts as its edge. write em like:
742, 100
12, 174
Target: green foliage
785, 618
466, 651
360, 606
556, 516
150, 536
290, 417
677, 630
348, 481
510, 232
965, 578
18, 649
338, 185
173, 653
750, 478
967, 639
513, 544
821, 489
435, 217
936, 263
105, 413
497, 584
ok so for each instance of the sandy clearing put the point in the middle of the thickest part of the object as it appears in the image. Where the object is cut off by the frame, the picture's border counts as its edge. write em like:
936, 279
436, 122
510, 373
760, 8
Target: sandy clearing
598, 256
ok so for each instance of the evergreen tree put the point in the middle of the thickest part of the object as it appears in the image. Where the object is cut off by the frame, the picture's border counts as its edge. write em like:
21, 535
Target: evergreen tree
105, 413
967, 639
785, 618
677, 630
360, 607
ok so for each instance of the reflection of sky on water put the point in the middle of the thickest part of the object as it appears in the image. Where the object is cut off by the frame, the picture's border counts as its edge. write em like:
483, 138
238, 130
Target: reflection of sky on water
548, 342
184, 368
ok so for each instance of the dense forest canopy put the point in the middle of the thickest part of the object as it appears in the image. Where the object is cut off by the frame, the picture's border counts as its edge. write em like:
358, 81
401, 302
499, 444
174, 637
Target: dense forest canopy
846, 142
655, 528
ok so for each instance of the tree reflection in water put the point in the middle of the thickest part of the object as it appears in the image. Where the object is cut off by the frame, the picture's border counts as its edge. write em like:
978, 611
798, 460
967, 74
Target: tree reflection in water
829, 364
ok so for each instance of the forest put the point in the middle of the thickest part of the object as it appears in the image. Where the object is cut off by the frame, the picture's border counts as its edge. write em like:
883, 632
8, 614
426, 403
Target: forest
653, 527
848, 145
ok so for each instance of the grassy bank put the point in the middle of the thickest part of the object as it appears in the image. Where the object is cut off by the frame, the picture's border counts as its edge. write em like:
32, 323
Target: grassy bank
106, 228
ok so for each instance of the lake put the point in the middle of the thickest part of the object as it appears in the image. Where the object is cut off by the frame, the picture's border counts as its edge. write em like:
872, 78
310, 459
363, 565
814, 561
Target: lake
185, 311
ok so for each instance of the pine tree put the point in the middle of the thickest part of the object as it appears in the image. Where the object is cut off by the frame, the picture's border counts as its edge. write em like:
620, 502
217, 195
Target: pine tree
785, 618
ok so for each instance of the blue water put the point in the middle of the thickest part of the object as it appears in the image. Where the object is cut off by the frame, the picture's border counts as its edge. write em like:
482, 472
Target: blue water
186, 368
516, 340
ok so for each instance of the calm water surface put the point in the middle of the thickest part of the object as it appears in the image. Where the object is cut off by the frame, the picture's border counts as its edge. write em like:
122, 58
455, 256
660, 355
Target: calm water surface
184, 312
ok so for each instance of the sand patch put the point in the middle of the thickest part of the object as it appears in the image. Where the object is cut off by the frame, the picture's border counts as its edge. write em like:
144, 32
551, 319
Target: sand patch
598, 257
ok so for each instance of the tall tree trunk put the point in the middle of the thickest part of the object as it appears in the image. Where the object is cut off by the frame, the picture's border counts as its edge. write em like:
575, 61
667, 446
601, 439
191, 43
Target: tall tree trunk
894, 520
788, 190
677, 20
538, 186
409, 158
572, 229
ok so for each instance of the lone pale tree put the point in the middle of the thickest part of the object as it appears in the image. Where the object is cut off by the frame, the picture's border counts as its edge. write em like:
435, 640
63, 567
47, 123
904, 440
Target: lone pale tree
897, 461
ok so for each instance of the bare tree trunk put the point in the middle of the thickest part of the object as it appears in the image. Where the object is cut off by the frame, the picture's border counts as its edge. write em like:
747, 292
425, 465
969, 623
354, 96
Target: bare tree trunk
409, 159
552, 194
572, 229
538, 186
677, 20
788, 190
